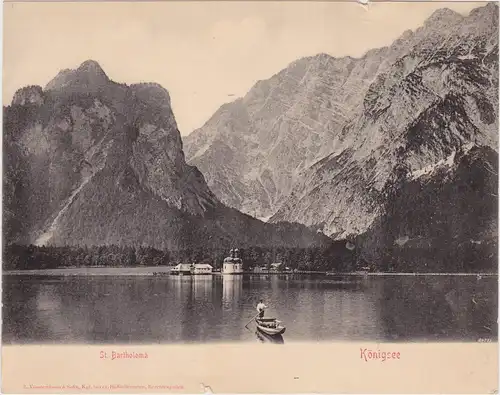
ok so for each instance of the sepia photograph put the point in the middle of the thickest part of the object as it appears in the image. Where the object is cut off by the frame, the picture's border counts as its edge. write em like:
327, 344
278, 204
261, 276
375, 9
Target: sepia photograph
247, 173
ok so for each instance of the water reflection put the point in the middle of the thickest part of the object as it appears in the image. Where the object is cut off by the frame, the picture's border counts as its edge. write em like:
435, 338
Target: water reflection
439, 307
121, 309
232, 290
265, 338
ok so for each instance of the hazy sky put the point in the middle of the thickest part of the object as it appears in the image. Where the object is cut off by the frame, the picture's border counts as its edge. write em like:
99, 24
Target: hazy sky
202, 52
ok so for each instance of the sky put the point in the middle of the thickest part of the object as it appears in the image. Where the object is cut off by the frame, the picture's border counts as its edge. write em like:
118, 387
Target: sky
205, 53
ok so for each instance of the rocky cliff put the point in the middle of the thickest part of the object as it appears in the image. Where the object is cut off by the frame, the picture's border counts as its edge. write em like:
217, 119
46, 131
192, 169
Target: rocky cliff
325, 141
442, 219
318, 142
89, 161
253, 150
440, 96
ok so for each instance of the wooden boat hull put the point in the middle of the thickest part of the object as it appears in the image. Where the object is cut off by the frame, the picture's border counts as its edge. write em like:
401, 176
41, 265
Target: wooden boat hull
279, 330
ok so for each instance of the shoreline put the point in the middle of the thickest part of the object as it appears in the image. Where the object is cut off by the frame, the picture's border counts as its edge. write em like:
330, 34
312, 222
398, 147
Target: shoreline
165, 270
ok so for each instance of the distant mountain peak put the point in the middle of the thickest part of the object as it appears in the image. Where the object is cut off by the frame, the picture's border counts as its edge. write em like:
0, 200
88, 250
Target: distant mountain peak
490, 7
323, 56
89, 74
487, 13
91, 66
444, 15
94, 162
306, 144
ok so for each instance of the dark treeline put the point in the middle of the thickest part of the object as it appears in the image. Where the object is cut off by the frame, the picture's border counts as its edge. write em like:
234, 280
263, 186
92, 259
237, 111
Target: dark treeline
22, 257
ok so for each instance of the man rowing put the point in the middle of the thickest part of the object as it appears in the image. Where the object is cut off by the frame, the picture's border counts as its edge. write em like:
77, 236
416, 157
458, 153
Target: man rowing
260, 308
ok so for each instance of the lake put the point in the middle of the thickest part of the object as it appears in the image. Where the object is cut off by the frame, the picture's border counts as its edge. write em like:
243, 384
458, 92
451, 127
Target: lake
190, 309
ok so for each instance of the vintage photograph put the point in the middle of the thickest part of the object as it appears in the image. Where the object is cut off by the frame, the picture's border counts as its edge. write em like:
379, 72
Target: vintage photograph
250, 172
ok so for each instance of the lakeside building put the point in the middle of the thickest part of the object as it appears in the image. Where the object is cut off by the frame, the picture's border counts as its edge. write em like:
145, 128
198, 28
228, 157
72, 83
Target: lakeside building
277, 267
233, 263
192, 269
202, 268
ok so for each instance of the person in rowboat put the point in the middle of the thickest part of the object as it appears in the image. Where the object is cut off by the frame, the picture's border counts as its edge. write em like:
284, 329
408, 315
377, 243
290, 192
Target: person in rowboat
260, 308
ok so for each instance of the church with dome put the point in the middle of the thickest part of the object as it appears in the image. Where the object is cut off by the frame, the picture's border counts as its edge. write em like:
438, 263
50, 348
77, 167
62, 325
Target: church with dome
233, 263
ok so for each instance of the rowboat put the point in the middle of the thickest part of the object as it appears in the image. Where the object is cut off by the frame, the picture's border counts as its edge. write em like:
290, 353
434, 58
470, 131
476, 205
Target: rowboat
270, 326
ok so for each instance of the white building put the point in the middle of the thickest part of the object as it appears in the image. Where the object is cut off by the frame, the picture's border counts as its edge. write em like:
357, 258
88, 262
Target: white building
202, 268
232, 264
181, 268
192, 269
277, 266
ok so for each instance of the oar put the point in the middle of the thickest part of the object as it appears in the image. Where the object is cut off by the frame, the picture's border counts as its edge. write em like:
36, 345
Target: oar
246, 326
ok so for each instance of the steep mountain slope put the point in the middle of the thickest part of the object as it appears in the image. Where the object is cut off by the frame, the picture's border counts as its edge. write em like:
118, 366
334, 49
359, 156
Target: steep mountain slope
317, 142
252, 150
91, 161
442, 219
439, 97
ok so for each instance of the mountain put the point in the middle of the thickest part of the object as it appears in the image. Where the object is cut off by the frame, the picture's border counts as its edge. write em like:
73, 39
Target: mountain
443, 219
89, 161
437, 98
318, 142
253, 150
375, 150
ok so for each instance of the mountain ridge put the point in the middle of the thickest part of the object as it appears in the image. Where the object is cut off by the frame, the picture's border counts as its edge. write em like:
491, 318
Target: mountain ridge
324, 141
90, 161
257, 175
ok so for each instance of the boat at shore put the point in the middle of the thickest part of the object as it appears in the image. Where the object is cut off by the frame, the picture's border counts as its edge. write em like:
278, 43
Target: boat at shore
270, 326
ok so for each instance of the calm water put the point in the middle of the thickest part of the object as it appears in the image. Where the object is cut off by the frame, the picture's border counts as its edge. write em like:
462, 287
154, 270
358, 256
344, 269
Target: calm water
145, 309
